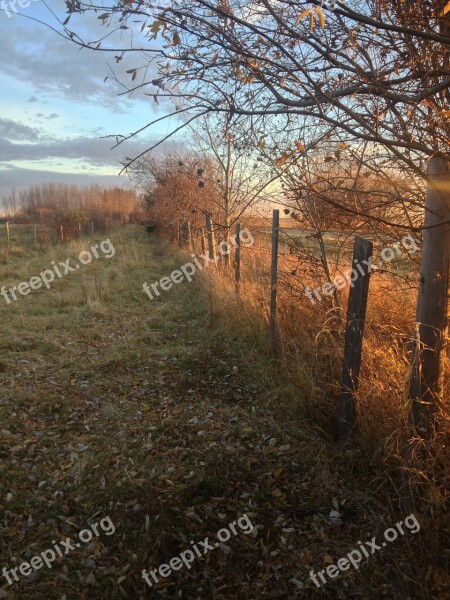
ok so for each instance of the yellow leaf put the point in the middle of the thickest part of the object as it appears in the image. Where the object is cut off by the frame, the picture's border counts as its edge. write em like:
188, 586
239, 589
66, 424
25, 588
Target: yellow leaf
311, 22
446, 9
303, 14
321, 16
351, 35
281, 160
300, 146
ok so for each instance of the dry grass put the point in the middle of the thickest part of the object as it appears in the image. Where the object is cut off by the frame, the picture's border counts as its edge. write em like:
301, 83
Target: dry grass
307, 371
169, 417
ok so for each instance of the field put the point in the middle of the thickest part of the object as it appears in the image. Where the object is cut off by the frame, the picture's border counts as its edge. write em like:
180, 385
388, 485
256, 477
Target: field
168, 417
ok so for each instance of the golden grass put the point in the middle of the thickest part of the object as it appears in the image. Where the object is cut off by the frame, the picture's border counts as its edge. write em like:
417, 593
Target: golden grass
308, 367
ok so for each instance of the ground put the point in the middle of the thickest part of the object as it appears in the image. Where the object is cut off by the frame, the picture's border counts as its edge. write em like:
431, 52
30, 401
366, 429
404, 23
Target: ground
152, 414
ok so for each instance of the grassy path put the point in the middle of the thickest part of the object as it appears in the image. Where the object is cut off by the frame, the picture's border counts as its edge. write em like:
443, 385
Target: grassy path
116, 406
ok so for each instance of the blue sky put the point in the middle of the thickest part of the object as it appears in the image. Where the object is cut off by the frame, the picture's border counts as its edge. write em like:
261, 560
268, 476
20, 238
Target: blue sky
55, 105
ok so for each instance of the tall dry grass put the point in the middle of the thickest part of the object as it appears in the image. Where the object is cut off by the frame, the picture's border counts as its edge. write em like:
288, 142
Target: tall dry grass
308, 367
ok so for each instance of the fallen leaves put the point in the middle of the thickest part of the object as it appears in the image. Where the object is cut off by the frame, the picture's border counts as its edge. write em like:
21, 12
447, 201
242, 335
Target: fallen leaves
148, 419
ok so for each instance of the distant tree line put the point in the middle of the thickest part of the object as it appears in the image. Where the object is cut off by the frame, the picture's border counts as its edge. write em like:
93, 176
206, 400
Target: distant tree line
74, 208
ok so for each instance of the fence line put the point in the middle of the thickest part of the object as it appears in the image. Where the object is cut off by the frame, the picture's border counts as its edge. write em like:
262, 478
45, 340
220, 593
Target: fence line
426, 369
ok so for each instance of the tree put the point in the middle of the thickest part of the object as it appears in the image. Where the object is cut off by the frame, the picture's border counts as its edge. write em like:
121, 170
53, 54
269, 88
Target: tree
239, 176
372, 76
367, 68
177, 189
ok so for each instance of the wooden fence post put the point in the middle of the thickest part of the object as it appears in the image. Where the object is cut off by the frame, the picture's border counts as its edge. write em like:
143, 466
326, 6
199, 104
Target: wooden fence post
184, 234
224, 239
7, 233
219, 241
211, 249
425, 386
62, 233
190, 239
273, 283
237, 258
202, 240
35, 235
356, 314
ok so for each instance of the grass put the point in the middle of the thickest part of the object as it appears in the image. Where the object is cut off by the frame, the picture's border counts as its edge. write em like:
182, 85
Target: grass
169, 417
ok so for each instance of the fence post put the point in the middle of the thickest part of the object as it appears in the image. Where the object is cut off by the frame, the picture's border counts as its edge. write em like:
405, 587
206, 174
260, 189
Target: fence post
425, 386
237, 258
7, 233
219, 241
190, 239
273, 283
202, 240
92, 226
356, 314
62, 233
211, 249
184, 234
35, 235
224, 241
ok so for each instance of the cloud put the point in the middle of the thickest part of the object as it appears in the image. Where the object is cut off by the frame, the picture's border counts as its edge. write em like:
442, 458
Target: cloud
55, 66
20, 142
93, 151
23, 143
11, 130
49, 117
20, 179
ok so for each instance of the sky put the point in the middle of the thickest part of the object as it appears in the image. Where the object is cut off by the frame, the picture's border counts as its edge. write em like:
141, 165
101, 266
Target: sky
55, 106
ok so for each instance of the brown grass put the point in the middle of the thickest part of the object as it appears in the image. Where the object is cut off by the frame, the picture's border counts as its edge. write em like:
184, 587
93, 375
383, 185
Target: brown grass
307, 371
169, 416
